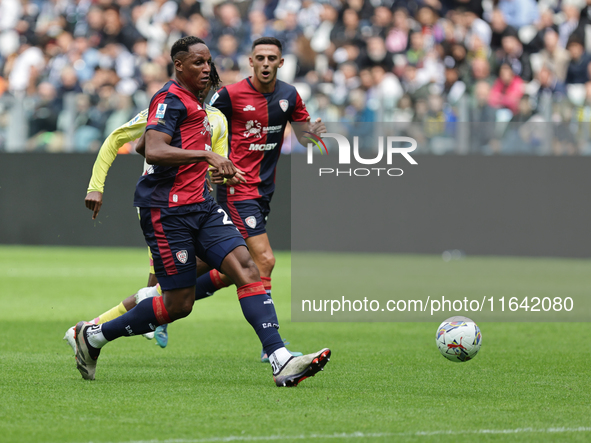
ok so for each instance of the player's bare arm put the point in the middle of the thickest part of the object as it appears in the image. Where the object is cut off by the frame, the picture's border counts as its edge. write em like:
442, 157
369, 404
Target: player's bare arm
160, 152
140, 148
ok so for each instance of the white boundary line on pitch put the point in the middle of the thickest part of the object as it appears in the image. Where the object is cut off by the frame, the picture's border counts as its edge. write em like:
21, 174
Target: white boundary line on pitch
369, 435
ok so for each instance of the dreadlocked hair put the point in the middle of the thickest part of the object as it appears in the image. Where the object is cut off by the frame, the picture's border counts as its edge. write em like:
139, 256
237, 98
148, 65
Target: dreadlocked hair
214, 77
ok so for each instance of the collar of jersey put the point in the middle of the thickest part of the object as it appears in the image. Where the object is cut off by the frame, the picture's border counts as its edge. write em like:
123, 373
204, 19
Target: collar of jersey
265, 94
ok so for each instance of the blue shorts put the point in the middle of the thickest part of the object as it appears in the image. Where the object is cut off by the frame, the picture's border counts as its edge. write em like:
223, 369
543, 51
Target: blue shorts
176, 235
249, 216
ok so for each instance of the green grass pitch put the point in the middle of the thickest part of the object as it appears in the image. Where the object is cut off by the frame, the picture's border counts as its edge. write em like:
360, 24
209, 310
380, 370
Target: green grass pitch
385, 381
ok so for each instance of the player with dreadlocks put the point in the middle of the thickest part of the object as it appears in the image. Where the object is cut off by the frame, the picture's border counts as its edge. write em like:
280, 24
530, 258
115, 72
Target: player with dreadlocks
129, 132
181, 221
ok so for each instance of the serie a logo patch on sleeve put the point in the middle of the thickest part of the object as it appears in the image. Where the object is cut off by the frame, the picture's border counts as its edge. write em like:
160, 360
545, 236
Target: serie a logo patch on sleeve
160, 110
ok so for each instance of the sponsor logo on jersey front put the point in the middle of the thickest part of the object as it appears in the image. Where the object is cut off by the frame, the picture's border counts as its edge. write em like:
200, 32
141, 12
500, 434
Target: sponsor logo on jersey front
251, 221
261, 146
182, 256
283, 104
161, 110
272, 129
249, 108
254, 127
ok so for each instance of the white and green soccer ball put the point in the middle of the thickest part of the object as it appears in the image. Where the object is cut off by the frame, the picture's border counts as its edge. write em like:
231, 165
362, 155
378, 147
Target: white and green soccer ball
458, 339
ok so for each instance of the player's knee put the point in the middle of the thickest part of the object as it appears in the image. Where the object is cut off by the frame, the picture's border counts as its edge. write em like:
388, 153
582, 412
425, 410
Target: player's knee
186, 308
179, 304
251, 271
267, 262
240, 267
272, 261
179, 311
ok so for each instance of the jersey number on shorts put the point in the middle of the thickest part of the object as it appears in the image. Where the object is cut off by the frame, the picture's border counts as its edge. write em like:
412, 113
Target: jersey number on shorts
226, 220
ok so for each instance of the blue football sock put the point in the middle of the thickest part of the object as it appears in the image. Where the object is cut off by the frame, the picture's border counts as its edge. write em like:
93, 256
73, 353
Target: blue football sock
259, 311
139, 320
204, 286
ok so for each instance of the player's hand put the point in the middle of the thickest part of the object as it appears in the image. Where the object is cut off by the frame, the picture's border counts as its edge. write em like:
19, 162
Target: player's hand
209, 188
218, 179
94, 201
317, 127
236, 180
222, 165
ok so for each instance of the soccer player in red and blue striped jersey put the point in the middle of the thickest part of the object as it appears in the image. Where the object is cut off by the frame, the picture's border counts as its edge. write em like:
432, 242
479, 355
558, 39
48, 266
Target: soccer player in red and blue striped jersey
181, 221
258, 110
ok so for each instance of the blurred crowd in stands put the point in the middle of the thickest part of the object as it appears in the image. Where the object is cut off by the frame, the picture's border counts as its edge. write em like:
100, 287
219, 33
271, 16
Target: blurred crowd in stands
71, 71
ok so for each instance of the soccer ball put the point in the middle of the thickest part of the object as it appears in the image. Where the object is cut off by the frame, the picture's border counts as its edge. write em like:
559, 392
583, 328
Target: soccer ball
458, 339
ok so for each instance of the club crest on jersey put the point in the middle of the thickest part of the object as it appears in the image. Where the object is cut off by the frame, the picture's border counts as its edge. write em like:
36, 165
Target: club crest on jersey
253, 127
182, 256
161, 110
251, 222
283, 104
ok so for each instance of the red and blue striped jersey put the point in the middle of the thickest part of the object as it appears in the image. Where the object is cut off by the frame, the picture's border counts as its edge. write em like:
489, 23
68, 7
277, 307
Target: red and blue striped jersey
176, 112
256, 123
